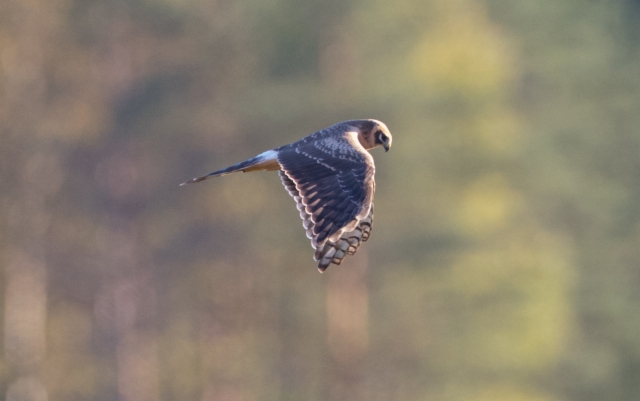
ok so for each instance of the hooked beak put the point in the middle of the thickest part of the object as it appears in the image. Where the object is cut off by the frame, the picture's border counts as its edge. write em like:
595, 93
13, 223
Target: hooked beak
386, 145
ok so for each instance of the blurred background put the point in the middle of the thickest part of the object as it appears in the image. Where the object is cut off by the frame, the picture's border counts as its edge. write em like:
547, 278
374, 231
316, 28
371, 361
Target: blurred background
504, 260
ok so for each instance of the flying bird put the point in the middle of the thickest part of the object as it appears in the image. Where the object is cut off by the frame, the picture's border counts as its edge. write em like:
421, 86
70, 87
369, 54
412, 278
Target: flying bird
330, 175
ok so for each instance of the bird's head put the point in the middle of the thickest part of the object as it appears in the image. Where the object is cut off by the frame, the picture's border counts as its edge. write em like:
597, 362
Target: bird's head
373, 133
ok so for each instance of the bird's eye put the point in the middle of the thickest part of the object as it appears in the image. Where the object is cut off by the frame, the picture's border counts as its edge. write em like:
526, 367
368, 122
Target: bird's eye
380, 137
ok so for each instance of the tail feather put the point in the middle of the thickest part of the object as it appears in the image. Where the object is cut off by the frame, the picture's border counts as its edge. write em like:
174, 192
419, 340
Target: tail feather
264, 161
227, 170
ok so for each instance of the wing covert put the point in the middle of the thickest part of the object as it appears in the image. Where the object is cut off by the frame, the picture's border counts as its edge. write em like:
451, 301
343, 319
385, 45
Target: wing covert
333, 183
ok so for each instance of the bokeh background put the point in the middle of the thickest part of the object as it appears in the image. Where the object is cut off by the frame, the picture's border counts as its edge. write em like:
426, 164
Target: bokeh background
504, 260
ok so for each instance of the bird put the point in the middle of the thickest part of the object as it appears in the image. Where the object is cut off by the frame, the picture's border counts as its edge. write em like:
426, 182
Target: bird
330, 175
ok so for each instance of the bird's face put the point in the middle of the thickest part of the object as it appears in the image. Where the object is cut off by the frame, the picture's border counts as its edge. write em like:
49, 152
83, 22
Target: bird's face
382, 137
372, 133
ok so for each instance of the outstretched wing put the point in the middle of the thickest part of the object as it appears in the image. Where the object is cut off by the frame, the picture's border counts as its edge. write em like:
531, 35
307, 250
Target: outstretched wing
347, 244
331, 180
332, 251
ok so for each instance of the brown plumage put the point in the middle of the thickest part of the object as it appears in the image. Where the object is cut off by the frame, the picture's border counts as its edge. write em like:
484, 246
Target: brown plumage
330, 175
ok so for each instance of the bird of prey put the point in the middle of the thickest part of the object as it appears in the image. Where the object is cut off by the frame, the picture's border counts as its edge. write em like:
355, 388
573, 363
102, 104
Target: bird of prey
330, 175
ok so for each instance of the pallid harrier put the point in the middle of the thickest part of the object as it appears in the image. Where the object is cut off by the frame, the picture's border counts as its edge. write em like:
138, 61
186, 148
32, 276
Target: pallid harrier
330, 175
